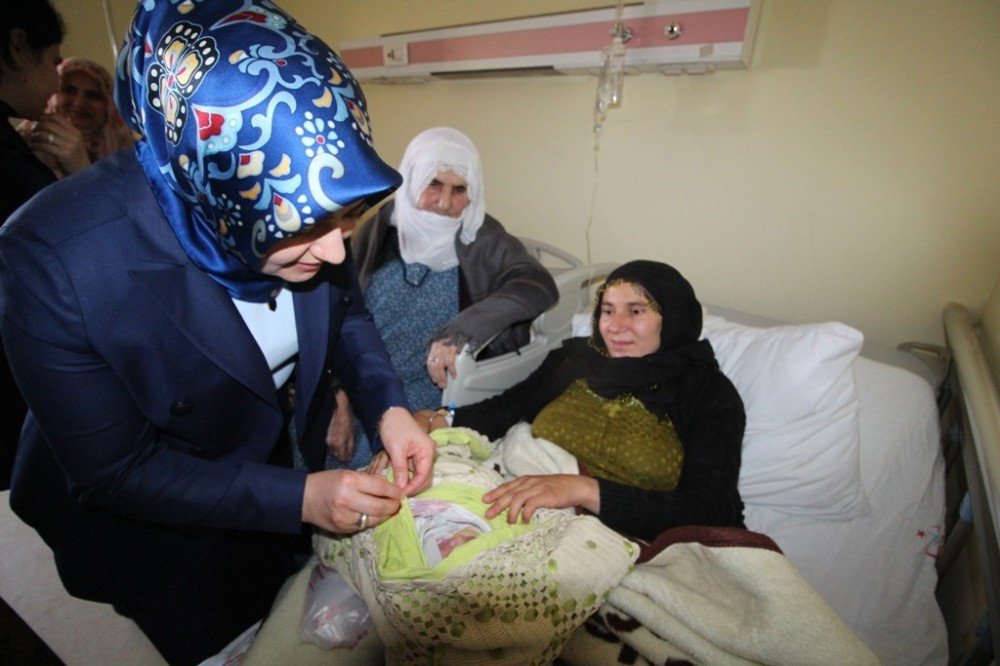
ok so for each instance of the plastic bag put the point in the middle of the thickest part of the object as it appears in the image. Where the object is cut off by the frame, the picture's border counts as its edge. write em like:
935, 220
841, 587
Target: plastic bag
335, 616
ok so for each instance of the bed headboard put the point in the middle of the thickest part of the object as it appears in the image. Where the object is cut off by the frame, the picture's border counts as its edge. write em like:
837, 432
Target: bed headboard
975, 350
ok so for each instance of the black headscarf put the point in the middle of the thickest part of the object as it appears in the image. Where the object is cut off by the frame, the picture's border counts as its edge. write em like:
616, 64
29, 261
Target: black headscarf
652, 378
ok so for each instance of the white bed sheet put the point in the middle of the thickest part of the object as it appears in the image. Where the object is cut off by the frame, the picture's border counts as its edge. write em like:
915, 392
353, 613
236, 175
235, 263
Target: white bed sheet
877, 570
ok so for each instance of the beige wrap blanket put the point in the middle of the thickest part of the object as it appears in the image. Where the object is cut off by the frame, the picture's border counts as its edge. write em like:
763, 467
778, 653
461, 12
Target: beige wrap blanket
707, 596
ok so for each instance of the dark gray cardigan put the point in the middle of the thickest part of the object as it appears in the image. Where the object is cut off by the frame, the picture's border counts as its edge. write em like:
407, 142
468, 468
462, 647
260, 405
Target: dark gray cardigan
502, 288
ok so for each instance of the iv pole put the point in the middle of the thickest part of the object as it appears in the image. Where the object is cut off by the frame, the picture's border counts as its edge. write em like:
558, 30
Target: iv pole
109, 24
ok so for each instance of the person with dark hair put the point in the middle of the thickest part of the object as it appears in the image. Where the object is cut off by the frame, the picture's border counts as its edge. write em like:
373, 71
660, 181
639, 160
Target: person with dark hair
643, 406
30, 35
174, 314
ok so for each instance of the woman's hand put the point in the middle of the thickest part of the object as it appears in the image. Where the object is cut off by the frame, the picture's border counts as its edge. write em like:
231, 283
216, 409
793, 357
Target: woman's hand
410, 450
55, 136
340, 433
524, 495
336, 500
430, 420
441, 363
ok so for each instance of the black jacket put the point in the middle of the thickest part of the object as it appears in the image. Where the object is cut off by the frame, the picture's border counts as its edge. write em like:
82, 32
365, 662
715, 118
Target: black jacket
21, 173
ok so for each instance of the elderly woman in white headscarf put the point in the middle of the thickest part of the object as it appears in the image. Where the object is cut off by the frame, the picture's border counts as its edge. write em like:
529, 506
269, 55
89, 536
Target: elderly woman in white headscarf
439, 273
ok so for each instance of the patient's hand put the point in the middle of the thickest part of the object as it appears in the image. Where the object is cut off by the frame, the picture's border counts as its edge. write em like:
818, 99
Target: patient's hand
340, 433
525, 494
429, 420
441, 363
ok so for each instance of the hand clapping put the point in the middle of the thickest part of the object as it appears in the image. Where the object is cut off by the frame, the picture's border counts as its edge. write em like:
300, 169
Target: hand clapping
55, 138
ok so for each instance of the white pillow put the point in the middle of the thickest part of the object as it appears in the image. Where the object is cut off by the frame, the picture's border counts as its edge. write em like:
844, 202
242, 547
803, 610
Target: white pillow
581, 325
801, 451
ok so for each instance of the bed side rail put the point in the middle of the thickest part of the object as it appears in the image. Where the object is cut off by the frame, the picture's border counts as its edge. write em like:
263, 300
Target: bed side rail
980, 418
479, 379
555, 259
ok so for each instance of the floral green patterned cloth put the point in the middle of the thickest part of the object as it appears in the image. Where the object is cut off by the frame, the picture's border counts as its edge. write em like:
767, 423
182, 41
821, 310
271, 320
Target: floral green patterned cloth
514, 598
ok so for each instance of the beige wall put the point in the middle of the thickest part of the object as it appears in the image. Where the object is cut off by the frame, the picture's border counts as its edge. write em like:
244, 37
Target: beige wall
86, 30
851, 173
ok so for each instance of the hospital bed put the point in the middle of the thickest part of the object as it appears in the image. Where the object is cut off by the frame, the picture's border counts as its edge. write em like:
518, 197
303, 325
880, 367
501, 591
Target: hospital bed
863, 517
849, 482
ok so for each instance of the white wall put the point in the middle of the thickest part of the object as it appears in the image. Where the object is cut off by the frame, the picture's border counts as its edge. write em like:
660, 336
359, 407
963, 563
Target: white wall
851, 173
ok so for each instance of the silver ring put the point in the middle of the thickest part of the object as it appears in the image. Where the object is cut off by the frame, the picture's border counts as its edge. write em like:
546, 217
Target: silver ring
363, 521
52, 139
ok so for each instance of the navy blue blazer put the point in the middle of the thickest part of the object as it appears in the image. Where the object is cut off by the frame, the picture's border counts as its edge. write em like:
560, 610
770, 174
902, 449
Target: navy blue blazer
149, 397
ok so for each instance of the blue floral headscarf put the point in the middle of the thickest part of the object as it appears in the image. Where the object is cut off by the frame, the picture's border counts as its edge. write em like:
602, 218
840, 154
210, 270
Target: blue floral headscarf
252, 130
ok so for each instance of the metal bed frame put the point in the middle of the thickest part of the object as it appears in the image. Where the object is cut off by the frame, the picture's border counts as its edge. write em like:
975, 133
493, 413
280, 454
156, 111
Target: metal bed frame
969, 566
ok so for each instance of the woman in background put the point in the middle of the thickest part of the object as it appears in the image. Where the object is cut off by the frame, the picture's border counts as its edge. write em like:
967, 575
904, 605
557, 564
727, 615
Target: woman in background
643, 406
84, 105
439, 273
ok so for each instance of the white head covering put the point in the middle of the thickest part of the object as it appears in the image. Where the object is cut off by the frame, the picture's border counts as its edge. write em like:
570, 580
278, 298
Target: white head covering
424, 236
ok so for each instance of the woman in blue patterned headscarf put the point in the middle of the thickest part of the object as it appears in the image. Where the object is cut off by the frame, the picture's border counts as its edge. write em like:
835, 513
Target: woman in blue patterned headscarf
252, 131
158, 307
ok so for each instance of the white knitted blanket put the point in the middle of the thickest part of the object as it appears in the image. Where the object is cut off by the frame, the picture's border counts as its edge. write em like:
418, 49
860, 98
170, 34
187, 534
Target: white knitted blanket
515, 603
708, 595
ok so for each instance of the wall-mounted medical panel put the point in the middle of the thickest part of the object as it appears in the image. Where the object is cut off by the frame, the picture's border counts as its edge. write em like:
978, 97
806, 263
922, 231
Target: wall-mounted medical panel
671, 36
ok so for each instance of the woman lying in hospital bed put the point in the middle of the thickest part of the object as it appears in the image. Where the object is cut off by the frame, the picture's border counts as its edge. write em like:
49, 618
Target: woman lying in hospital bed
636, 426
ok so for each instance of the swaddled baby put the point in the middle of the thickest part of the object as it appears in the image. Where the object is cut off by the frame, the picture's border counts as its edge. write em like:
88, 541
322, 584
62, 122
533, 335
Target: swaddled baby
444, 584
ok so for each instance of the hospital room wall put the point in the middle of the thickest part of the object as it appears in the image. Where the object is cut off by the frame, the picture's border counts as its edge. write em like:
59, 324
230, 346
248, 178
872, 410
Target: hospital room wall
850, 173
